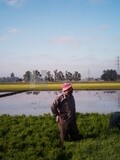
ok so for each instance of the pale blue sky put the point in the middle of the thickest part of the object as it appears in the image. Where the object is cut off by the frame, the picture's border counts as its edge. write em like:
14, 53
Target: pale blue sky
82, 35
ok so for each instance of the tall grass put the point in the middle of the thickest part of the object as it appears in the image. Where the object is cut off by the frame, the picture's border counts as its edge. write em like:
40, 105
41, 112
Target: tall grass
37, 138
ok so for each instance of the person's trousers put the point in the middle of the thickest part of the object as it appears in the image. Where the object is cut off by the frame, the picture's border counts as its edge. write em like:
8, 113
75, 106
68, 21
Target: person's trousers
68, 129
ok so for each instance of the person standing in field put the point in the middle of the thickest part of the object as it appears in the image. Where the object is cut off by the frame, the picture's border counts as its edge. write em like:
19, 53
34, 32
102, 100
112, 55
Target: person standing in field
63, 108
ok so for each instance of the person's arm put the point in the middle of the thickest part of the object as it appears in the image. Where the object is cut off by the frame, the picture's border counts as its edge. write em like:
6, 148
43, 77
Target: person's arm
54, 107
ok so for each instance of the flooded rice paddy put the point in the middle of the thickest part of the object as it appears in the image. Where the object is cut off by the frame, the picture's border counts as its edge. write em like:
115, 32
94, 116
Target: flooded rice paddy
38, 103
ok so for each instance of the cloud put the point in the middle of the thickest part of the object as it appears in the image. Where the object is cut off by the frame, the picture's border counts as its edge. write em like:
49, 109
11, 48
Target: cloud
2, 39
13, 30
92, 1
17, 3
105, 27
11, 2
117, 38
96, 1
86, 59
8, 34
63, 40
90, 39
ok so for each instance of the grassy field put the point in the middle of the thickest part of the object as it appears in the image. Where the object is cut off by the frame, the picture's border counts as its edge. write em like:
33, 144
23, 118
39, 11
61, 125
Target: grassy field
57, 86
37, 138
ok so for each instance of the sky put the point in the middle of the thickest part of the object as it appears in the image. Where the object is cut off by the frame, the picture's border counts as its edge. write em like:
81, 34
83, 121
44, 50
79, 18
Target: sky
72, 35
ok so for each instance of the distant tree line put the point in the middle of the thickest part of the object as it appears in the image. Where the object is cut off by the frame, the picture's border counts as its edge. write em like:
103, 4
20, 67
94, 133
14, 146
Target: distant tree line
36, 76
11, 78
44, 75
110, 75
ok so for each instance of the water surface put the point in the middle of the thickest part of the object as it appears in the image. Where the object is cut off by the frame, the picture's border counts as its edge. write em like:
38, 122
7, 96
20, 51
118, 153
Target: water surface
38, 103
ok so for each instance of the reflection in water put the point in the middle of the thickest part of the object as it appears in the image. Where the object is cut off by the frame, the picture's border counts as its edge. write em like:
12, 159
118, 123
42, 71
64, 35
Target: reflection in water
33, 92
49, 92
28, 92
39, 102
110, 91
118, 98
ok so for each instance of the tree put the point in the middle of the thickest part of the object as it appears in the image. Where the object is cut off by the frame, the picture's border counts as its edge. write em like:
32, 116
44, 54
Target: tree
55, 75
28, 76
12, 75
36, 75
76, 76
69, 76
118, 77
49, 76
60, 76
109, 75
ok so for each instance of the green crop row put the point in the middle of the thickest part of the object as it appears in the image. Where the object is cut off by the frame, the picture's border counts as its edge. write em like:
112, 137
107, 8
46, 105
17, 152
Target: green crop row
57, 86
37, 138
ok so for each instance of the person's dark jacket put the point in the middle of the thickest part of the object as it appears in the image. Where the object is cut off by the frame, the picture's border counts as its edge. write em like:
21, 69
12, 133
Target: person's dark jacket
64, 106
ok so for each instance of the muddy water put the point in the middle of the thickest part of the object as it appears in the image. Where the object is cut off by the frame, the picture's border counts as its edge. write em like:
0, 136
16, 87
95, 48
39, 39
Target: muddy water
38, 103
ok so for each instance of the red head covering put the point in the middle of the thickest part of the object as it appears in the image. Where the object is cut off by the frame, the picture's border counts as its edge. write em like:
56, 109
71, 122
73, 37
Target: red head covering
66, 86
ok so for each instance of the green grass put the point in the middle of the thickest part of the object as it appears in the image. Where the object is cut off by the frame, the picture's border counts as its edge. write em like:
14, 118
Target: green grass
37, 138
57, 86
